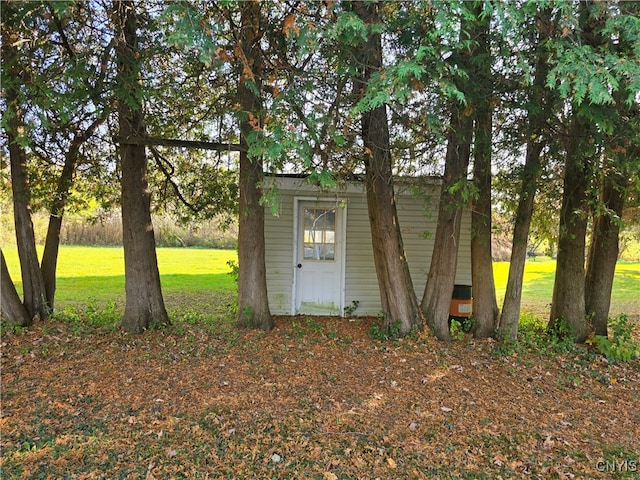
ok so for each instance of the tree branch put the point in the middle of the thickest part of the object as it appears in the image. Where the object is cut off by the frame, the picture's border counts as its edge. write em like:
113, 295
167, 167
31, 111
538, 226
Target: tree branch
168, 174
169, 142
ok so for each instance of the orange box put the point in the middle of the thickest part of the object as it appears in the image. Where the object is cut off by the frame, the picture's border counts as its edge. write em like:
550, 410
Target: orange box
461, 307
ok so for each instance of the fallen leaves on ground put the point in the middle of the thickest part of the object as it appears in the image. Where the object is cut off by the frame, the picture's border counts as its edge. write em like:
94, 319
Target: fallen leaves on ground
312, 399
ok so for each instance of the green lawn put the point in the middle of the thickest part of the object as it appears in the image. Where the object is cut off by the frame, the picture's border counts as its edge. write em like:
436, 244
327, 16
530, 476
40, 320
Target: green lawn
95, 276
538, 286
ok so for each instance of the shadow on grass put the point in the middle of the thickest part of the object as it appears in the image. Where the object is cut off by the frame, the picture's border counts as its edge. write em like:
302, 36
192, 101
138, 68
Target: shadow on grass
628, 279
537, 293
182, 292
97, 304
541, 288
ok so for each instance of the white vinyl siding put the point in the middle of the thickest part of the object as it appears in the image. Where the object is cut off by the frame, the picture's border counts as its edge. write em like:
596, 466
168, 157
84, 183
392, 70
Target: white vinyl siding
361, 282
278, 233
417, 217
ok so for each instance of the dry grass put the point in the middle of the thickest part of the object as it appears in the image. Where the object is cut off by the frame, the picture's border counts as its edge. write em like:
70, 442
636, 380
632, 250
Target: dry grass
315, 398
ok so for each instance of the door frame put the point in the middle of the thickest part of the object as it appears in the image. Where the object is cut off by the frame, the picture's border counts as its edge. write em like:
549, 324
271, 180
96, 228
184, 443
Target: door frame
341, 244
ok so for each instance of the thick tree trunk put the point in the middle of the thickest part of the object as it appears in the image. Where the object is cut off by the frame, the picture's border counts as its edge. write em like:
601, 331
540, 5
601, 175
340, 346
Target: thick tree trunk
510, 315
11, 308
568, 304
603, 253
398, 298
35, 299
438, 290
485, 305
397, 294
537, 114
604, 246
253, 302
144, 302
436, 300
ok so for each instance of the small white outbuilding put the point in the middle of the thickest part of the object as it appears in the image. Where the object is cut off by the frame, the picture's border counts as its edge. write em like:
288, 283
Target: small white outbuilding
319, 257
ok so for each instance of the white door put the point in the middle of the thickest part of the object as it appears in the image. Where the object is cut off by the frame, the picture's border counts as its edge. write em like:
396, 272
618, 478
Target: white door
319, 258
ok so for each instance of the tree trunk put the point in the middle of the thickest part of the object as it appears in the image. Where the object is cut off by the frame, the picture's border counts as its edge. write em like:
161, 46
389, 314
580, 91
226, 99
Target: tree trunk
398, 298
510, 316
616, 174
11, 308
436, 301
35, 299
603, 253
438, 291
485, 305
537, 115
253, 302
144, 302
568, 304
51, 248
397, 293
52, 241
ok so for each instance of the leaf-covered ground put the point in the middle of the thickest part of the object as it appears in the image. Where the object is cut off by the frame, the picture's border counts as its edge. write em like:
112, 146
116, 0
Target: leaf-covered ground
316, 398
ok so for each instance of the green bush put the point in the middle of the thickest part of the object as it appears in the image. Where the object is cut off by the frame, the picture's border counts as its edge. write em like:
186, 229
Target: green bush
378, 332
83, 321
535, 336
621, 347
350, 309
235, 269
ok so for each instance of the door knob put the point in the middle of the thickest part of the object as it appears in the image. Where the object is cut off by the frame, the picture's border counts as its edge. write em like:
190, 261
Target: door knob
299, 265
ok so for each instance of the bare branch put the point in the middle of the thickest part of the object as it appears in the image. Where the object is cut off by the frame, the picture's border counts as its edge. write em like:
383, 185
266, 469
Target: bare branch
169, 142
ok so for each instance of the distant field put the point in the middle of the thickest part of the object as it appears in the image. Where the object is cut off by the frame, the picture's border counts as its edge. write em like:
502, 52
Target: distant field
95, 276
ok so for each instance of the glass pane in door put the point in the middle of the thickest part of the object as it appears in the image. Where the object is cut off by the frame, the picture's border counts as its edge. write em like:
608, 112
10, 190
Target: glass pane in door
319, 235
